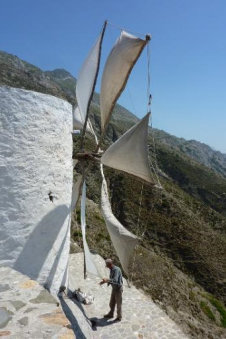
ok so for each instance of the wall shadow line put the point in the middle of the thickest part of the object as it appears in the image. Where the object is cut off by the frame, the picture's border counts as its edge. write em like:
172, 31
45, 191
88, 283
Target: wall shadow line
40, 242
70, 316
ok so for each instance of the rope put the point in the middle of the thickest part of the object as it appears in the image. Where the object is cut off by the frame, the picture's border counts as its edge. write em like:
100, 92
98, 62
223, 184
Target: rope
154, 165
125, 29
149, 96
153, 162
138, 221
140, 202
132, 268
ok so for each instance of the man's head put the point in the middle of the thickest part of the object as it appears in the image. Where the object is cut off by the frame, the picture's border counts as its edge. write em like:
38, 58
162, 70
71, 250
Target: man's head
109, 263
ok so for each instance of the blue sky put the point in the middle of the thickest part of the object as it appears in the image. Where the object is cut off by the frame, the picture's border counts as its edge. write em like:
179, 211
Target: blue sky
188, 53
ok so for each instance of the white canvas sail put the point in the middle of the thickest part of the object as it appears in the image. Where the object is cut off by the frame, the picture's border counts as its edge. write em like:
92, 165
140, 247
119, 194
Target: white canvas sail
78, 121
123, 241
90, 266
130, 153
86, 82
74, 162
76, 192
116, 72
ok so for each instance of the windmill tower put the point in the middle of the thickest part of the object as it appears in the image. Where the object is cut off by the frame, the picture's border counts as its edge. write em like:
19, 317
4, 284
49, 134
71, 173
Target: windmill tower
36, 185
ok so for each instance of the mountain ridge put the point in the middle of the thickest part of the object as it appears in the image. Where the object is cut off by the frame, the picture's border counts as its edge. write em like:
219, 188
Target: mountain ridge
66, 83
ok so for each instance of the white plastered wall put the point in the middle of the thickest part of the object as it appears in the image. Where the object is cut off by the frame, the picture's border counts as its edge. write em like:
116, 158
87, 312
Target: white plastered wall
35, 163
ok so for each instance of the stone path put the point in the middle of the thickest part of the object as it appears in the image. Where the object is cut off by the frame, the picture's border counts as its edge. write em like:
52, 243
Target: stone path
142, 318
27, 310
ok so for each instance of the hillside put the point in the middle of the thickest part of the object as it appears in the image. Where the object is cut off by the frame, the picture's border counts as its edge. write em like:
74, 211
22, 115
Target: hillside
196, 150
183, 246
59, 82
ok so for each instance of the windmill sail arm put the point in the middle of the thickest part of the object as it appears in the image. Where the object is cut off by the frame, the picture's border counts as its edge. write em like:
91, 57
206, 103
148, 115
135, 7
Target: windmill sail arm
94, 82
137, 176
89, 263
76, 190
123, 240
120, 90
86, 82
117, 69
78, 121
130, 153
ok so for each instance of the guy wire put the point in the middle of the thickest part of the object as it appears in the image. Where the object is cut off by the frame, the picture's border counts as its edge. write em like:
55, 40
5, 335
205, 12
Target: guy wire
125, 29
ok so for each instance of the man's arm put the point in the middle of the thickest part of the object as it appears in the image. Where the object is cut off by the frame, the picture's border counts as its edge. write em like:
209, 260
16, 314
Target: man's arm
103, 281
114, 279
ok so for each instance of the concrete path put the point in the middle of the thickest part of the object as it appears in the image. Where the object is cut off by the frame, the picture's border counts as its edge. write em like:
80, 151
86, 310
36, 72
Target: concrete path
142, 318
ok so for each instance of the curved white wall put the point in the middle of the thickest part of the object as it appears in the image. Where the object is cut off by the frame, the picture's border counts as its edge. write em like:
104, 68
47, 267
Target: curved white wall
35, 159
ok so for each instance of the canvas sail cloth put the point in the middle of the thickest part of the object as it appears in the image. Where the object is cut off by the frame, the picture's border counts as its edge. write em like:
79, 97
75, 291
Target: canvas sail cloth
123, 241
76, 192
130, 153
90, 265
85, 85
78, 120
116, 72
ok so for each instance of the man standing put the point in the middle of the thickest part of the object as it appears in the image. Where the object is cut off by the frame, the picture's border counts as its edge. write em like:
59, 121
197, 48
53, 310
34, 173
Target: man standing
116, 282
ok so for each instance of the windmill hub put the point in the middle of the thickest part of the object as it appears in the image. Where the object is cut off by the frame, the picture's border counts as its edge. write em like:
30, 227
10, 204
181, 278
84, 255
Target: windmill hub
87, 156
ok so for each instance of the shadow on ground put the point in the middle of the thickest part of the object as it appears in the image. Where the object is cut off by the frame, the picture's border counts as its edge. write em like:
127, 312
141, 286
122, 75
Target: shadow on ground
100, 322
93, 322
74, 323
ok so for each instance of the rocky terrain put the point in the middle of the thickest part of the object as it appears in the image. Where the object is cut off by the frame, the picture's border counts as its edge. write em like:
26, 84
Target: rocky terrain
180, 261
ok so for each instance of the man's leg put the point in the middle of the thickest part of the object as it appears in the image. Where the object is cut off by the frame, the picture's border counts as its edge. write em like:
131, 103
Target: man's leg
112, 305
119, 303
112, 302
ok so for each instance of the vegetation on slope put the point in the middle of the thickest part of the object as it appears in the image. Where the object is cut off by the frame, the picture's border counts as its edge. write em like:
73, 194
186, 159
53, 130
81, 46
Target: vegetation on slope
196, 179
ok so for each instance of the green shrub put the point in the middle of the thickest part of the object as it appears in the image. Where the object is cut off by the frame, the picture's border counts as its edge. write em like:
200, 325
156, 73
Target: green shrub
220, 307
205, 308
77, 234
99, 217
192, 296
78, 215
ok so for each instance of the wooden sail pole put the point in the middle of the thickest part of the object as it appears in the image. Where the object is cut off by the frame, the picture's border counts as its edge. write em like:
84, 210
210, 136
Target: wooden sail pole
94, 84
86, 121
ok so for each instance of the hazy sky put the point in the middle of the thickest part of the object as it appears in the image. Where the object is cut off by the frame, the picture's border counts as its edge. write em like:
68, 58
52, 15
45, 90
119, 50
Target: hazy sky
188, 53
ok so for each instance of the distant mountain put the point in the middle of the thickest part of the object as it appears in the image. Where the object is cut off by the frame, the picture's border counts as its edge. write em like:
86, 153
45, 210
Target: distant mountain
198, 151
65, 80
18, 73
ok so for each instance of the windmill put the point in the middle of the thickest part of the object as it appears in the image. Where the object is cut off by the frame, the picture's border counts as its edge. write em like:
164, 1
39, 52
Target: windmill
128, 154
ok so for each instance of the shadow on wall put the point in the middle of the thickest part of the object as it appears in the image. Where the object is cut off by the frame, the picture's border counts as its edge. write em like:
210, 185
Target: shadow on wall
50, 279
40, 242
